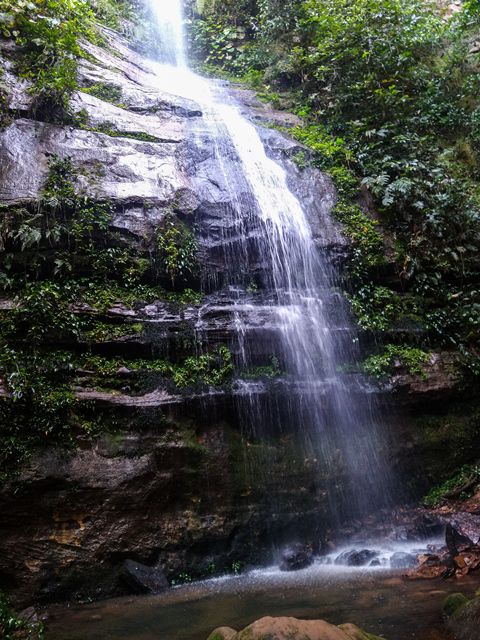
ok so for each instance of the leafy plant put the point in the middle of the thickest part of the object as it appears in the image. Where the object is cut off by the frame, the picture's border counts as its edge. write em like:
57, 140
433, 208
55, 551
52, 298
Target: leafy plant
177, 249
12, 627
460, 487
214, 369
49, 34
396, 357
271, 370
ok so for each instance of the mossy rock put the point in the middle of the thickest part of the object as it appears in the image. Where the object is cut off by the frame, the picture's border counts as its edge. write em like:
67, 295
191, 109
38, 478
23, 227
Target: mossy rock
465, 620
453, 603
223, 633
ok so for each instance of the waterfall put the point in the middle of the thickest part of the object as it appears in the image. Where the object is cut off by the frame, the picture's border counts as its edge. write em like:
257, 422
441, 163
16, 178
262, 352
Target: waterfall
168, 17
332, 413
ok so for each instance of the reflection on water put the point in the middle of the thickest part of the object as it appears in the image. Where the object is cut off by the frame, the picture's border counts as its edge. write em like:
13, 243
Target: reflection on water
380, 602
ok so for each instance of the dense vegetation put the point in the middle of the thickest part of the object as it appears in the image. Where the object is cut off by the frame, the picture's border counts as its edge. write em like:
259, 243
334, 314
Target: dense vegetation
389, 96
63, 266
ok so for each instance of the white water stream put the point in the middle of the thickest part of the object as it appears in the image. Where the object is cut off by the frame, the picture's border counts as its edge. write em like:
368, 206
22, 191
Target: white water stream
339, 424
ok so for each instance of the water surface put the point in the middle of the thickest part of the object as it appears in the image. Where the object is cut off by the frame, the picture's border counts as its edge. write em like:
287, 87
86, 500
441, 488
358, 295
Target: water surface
380, 601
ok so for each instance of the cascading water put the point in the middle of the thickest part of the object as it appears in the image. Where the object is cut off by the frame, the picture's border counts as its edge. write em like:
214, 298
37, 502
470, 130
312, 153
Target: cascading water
269, 235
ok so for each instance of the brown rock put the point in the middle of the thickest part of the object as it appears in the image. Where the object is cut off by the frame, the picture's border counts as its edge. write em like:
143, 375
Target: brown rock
293, 629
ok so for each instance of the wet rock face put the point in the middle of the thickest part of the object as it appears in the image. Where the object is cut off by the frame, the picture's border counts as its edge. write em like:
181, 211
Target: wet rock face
168, 497
174, 168
167, 492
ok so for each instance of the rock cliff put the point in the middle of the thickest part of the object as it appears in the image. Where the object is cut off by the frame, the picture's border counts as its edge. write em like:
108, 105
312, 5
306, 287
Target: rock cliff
171, 480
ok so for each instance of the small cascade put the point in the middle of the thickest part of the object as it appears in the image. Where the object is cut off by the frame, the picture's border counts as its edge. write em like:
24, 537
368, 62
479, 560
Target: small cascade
269, 239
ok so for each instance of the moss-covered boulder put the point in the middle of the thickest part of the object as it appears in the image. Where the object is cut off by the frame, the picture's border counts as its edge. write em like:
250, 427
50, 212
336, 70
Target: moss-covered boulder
293, 629
453, 603
464, 621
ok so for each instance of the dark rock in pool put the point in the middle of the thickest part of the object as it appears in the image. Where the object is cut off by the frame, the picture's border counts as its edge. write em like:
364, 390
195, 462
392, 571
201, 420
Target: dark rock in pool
296, 557
142, 579
402, 560
354, 558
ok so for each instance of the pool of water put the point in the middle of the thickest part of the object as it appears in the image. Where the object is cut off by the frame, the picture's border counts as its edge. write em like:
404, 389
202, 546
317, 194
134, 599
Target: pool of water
380, 601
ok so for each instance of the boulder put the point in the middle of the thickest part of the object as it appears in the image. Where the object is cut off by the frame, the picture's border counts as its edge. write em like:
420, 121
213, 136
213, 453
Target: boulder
464, 621
296, 557
354, 558
453, 602
142, 579
293, 629
463, 531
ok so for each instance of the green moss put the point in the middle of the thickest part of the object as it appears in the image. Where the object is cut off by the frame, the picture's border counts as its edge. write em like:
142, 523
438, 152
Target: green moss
41, 408
103, 332
109, 129
376, 308
364, 232
328, 151
452, 428
216, 636
105, 91
214, 368
301, 160
468, 474
453, 603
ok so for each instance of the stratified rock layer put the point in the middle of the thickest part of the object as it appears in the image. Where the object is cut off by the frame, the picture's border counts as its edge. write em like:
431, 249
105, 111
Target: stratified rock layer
173, 483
